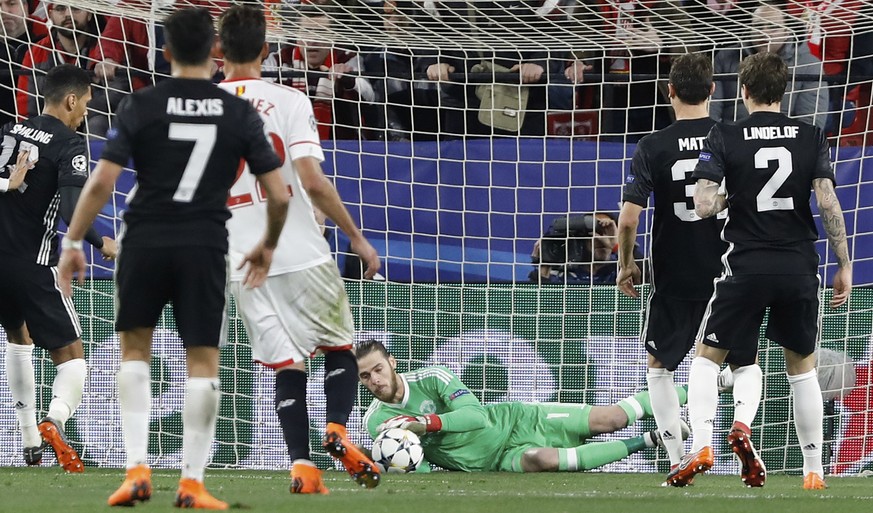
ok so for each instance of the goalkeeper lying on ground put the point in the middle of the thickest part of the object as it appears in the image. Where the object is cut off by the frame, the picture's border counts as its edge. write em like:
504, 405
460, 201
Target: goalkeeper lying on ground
459, 433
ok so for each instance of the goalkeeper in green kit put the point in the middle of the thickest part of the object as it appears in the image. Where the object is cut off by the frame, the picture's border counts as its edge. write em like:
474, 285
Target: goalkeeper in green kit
459, 433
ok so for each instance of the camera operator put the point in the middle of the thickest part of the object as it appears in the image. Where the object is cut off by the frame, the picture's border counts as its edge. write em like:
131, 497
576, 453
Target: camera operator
578, 248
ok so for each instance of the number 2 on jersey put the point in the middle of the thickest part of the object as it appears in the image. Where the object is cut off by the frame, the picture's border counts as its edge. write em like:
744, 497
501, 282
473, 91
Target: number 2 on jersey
246, 198
204, 137
765, 200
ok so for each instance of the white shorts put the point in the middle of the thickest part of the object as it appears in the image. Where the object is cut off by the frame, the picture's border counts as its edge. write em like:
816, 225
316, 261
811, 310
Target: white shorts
295, 315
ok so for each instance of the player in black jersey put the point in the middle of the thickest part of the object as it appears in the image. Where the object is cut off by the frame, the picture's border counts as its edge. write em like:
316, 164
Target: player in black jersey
186, 138
769, 163
32, 305
685, 252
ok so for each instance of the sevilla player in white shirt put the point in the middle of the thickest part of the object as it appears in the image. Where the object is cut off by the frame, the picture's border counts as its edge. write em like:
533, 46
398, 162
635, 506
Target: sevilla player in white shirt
302, 309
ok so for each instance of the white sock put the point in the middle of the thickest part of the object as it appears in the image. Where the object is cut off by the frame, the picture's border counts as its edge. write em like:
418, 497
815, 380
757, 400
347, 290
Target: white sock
748, 381
702, 400
22, 385
665, 407
202, 397
808, 418
67, 389
135, 400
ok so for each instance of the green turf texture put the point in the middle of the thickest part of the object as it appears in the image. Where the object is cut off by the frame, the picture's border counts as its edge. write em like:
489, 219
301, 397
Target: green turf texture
45, 489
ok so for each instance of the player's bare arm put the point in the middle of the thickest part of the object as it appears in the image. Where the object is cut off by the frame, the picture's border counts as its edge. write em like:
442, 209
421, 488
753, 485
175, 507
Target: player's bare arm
260, 258
835, 226
94, 195
325, 197
628, 270
707, 199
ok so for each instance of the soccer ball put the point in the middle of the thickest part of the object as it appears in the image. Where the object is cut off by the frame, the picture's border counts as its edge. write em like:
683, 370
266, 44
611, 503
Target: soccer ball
397, 450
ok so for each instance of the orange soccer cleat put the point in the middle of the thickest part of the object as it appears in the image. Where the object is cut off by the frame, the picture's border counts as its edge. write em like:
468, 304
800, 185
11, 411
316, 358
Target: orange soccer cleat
51, 431
192, 494
306, 478
360, 467
137, 487
689, 466
753, 472
813, 481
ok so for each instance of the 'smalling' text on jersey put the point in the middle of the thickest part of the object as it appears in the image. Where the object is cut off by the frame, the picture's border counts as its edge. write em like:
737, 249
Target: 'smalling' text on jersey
29, 215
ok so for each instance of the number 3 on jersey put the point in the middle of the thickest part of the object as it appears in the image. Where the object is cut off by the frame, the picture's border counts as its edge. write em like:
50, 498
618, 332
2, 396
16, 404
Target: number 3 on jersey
681, 170
246, 198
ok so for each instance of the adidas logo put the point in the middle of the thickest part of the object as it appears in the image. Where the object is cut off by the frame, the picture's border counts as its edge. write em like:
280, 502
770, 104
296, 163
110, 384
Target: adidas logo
285, 403
334, 373
666, 435
739, 403
809, 447
712, 338
651, 343
19, 405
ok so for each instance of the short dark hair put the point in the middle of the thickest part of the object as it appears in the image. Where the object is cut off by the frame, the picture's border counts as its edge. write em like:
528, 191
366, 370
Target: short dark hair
242, 30
189, 34
765, 76
371, 346
63, 80
691, 76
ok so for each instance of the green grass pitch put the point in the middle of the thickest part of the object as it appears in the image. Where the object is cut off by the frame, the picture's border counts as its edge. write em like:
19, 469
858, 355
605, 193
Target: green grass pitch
25, 490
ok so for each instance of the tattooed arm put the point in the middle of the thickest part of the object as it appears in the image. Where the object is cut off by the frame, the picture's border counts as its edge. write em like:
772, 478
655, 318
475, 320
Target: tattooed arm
707, 200
832, 220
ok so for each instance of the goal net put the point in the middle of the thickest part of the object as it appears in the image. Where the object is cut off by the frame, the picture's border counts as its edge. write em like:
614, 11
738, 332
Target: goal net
529, 131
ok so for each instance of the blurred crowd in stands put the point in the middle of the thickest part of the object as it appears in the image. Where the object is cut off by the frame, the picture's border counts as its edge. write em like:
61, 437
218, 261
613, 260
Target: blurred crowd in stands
404, 93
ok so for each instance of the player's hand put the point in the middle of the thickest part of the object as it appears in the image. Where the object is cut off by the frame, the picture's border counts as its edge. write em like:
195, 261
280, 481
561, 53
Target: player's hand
368, 256
72, 263
626, 278
842, 286
109, 249
258, 260
420, 425
18, 173
394, 422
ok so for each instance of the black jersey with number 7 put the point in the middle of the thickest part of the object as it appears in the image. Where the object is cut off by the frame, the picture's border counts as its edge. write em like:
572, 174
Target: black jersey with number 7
186, 138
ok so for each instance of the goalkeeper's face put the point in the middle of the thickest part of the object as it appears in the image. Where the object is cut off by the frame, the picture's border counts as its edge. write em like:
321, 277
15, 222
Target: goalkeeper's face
379, 375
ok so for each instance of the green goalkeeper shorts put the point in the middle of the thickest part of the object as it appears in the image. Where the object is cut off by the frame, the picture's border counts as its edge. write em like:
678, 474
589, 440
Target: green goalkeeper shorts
552, 425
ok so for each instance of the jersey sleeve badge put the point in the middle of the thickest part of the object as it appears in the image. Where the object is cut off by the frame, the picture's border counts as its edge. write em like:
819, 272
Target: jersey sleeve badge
80, 165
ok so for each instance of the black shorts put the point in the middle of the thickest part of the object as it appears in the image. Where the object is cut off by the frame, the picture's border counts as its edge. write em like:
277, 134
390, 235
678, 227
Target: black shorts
671, 329
736, 310
193, 279
30, 293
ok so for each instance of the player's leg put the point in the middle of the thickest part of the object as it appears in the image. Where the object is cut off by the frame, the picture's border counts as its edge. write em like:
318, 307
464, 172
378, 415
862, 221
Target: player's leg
54, 326
731, 321
747, 381
573, 459
668, 335
22, 387
143, 285
793, 324
329, 316
265, 314
199, 298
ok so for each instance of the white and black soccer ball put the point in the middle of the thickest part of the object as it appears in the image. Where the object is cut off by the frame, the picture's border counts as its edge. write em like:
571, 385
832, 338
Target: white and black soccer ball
397, 450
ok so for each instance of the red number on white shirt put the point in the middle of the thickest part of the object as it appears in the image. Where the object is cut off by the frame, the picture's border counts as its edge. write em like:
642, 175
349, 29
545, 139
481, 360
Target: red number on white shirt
246, 197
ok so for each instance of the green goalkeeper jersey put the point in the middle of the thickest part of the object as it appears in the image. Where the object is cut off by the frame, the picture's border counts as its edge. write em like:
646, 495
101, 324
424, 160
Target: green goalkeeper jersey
469, 440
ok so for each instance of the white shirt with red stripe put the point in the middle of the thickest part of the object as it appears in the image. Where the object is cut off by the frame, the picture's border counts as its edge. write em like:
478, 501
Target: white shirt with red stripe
290, 125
